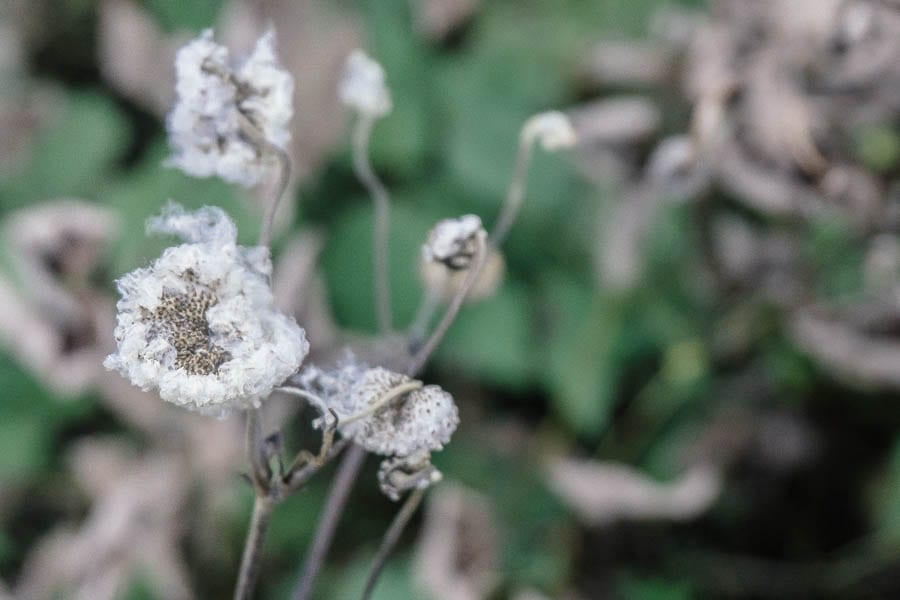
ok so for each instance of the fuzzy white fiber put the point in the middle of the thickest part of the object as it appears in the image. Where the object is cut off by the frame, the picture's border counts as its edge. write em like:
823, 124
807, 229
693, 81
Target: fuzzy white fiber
552, 129
217, 103
363, 86
420, 421
453, 241
258, 347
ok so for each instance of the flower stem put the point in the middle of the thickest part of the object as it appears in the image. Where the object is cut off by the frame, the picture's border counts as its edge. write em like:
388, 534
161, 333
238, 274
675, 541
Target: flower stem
516, 192
253, 447
256, 137
385, 398
363, 168
259, 523
418, 360
427, 307
297, 476
334, 506
284, 176
391, 537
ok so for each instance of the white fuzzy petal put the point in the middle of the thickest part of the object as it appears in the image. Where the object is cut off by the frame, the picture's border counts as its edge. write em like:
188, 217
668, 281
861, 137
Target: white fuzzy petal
263, 347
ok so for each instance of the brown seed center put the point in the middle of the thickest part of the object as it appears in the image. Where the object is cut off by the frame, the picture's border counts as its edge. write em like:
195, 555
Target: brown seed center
181, 318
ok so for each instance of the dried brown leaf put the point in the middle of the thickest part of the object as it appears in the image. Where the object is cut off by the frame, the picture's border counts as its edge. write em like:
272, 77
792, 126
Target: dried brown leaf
605, 492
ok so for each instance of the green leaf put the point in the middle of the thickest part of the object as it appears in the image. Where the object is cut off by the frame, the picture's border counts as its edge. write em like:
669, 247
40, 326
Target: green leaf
886, 502
146, 190
194, 15
879, 148
492, 339
530, 520
73, 155
401, 140
348, 265
396, 581
581, 368
632, 587
29, 418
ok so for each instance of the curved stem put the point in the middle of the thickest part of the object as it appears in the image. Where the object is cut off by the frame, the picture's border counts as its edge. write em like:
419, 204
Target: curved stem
334, 506
252, 133
385, 398
418, 360
314, 400
284, 176
516, 192
427, 307
296, 478
259, 524
363, 168
391, 537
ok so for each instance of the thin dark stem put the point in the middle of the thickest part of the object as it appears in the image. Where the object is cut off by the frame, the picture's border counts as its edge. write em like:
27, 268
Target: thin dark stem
259, 524
391, 537
253, 448
334, 506
380, 252
284, 176
516, 192
296, 478
252, 133
421, 356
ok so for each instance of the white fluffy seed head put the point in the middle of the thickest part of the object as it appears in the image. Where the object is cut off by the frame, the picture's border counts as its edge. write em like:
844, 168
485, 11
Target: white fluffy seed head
422, 419
419, 421
446, 283
199, 323
363, 87
453, 242
217, 103
552, 129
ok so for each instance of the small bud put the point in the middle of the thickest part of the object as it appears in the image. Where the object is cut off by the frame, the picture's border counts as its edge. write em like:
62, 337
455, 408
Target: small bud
363, 86
552, 129
448, 254
446, 282
454, 242
397, 475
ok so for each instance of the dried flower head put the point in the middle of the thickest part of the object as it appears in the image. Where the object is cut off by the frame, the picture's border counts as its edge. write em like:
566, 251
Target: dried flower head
226, 115
363, 86
397, 475
552, 129
417, 421
199, 323
445, 283
453, 242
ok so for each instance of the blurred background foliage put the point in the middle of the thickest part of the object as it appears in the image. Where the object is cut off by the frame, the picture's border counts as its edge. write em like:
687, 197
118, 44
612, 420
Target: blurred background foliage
688, 364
